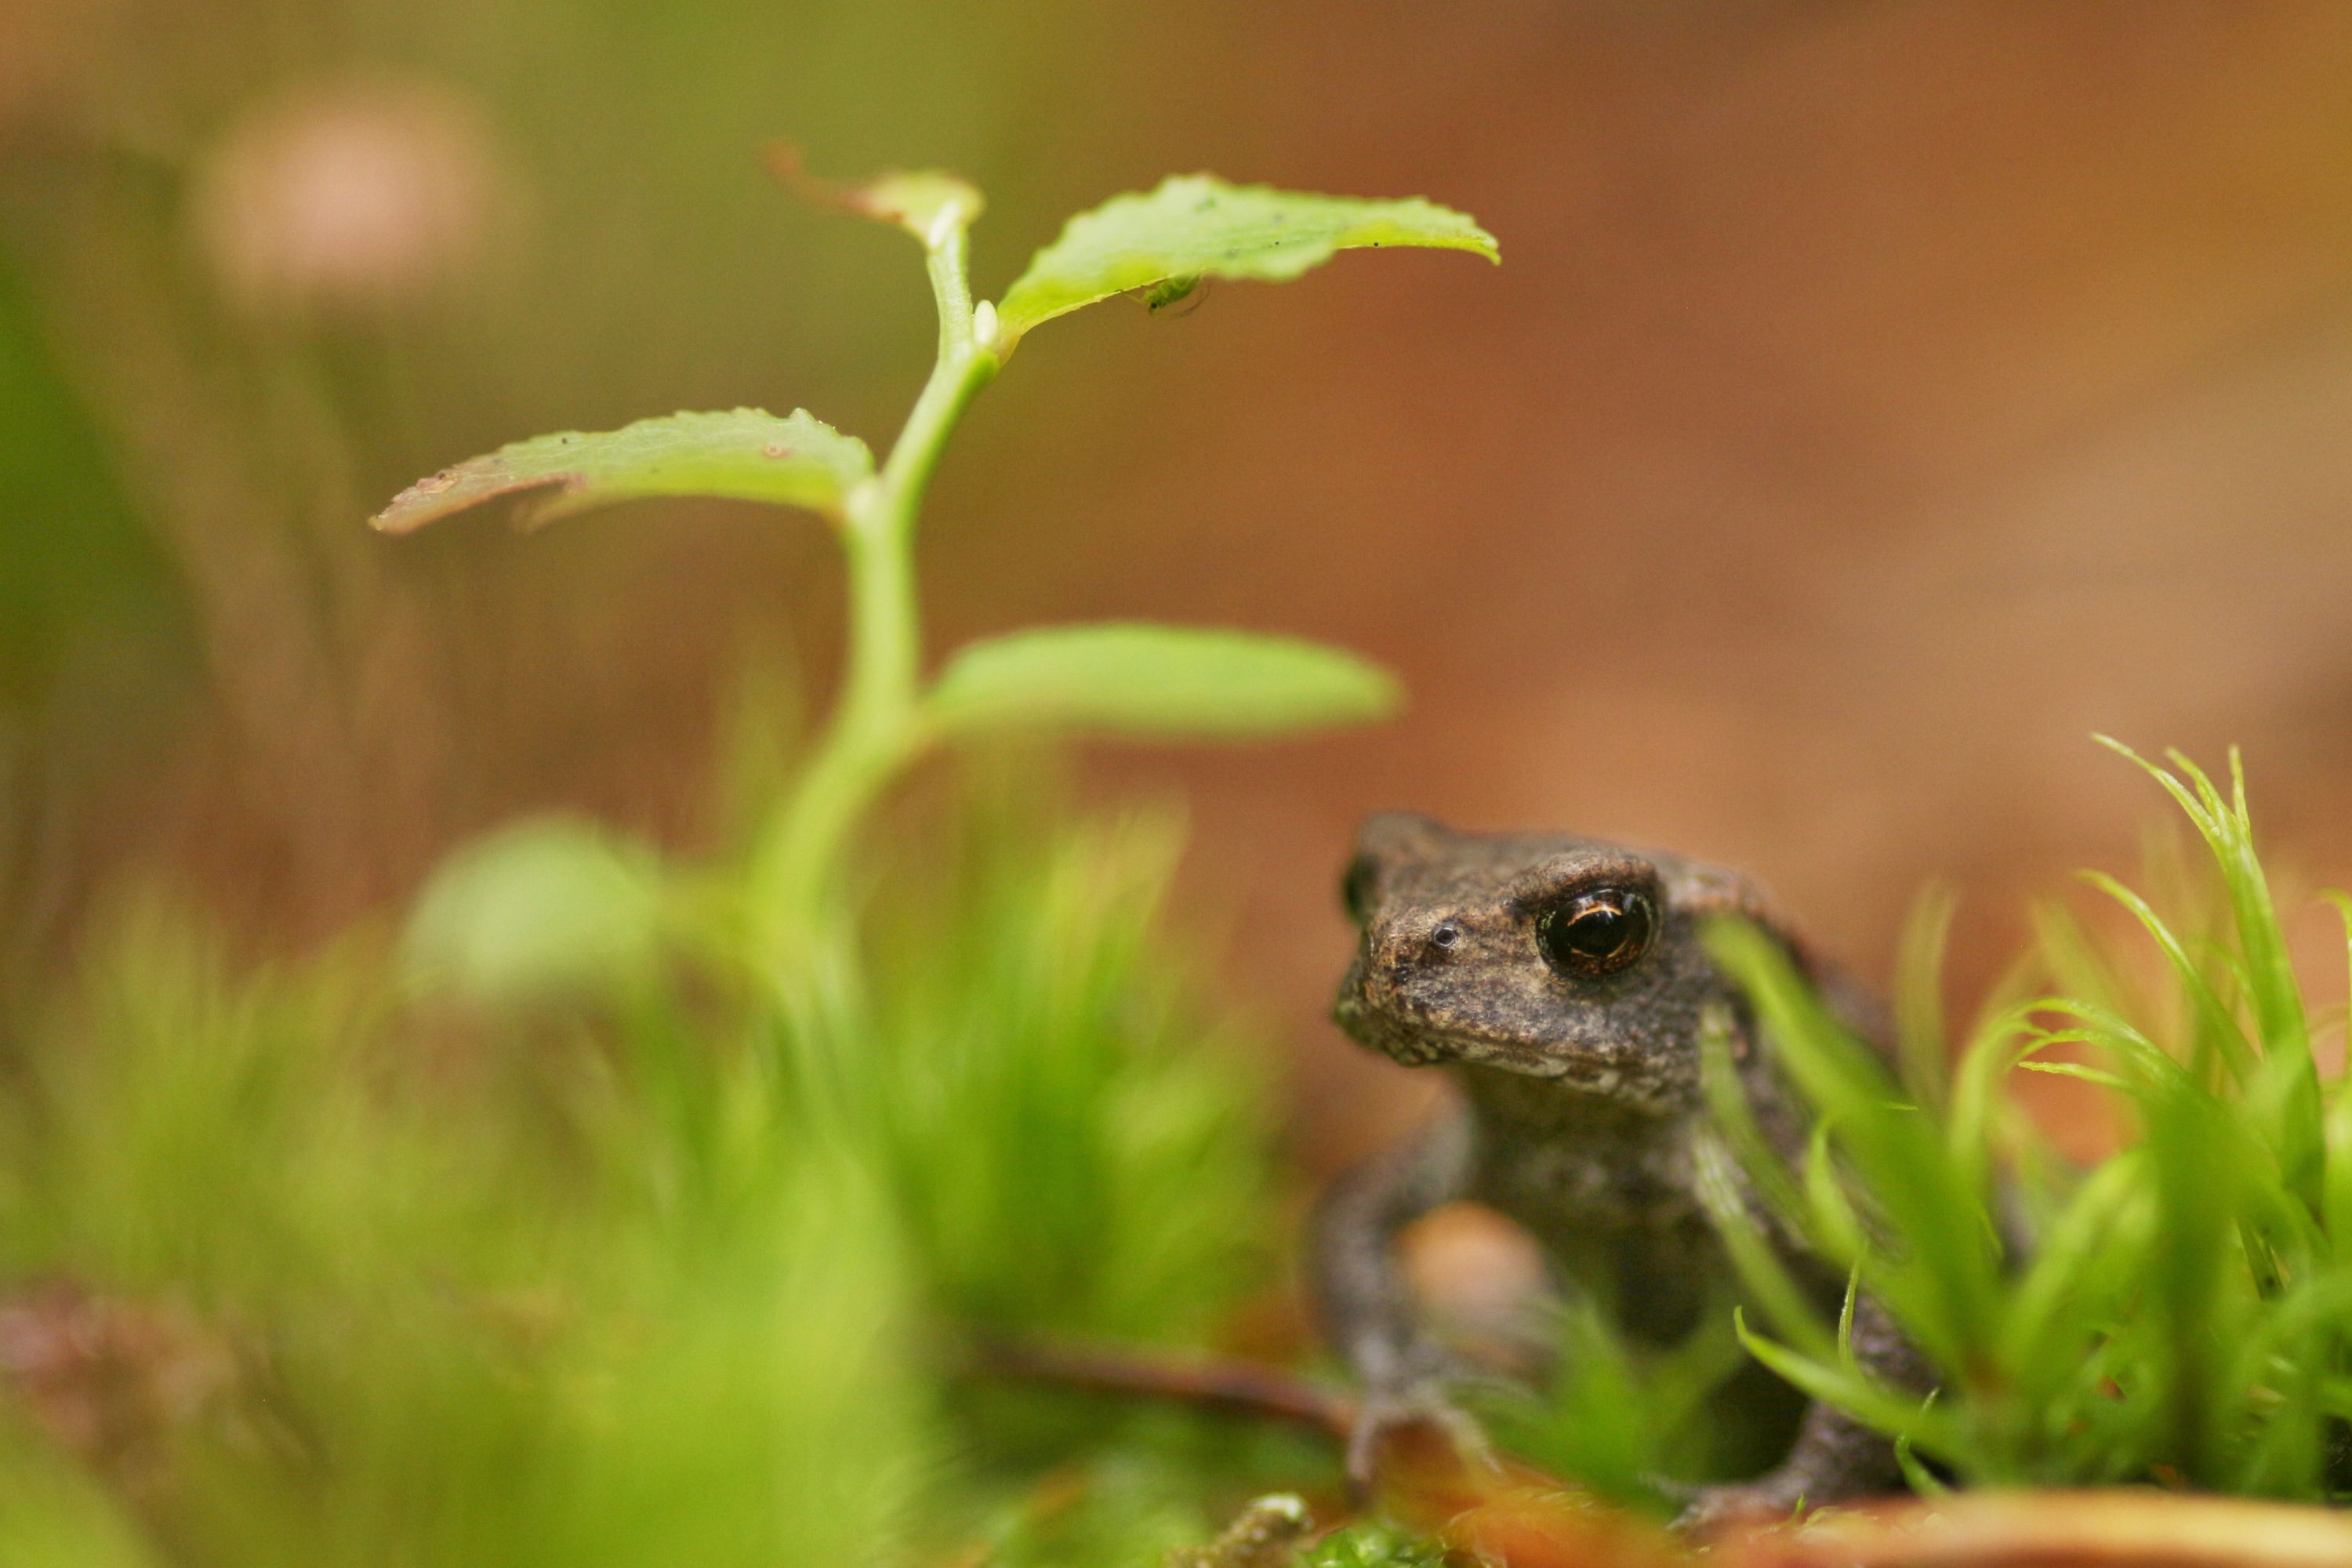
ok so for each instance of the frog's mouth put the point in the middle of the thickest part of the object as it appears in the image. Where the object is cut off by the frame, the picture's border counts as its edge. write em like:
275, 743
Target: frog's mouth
1416, 1042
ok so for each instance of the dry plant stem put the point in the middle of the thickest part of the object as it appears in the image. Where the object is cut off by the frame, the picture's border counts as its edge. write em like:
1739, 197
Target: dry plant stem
2113, 1529
1216, 1382
878, 726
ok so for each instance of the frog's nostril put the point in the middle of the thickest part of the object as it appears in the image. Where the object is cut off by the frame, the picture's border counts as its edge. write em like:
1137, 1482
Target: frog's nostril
1399, 949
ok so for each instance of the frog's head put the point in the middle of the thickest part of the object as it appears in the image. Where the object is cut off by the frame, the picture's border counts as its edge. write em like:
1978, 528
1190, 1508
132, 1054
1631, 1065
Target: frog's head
1551, 956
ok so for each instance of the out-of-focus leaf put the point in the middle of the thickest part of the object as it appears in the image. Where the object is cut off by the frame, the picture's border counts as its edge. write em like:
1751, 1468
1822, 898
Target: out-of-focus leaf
1196, 225
918, 200
744, 454
546, 908
1146, 680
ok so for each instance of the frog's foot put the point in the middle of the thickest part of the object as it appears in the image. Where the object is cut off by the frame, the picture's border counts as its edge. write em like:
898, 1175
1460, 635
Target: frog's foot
1766, 1501
1835, 1458
1394, 1426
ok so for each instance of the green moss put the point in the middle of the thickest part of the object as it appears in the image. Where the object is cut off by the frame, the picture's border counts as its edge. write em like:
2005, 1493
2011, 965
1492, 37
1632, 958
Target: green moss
2179, 1310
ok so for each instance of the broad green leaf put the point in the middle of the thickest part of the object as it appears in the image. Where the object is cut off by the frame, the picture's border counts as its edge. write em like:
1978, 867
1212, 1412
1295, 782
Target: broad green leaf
1196, 225
743, 455
1158, 681
918, 200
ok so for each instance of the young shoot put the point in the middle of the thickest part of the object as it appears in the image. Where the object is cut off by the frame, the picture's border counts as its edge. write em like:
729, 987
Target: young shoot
1131, 679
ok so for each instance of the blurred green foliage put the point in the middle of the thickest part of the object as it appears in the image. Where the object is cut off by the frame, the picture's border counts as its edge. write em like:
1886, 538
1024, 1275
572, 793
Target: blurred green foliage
558, 1257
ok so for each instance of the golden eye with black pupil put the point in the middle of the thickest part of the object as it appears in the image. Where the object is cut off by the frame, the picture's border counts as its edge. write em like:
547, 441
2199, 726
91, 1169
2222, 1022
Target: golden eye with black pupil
1597, 933
1356, 888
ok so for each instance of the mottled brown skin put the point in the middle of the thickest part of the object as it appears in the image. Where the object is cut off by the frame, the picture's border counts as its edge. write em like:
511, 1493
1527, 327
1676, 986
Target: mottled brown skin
1579, 1102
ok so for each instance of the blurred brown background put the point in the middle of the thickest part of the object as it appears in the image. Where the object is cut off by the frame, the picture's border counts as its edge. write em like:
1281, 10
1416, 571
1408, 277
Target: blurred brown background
1875, 399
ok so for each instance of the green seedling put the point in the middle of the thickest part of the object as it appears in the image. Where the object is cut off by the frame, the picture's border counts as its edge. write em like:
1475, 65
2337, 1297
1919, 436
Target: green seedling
1131, 679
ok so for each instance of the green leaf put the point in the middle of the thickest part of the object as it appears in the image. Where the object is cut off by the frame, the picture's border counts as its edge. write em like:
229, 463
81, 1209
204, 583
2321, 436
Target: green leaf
1158, 681
743, 455
1194, 227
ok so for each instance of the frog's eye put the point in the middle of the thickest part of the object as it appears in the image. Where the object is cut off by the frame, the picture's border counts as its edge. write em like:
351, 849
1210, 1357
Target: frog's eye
1597, 933
1356, 888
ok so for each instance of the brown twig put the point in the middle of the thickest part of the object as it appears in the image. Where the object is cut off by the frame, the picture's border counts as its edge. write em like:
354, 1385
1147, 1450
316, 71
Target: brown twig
1218, 1383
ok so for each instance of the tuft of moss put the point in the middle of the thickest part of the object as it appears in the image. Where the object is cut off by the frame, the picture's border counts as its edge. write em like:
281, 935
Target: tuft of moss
2180, 1310
1373, 1546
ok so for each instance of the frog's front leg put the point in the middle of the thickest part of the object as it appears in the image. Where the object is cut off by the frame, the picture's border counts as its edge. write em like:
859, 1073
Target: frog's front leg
1361, 1294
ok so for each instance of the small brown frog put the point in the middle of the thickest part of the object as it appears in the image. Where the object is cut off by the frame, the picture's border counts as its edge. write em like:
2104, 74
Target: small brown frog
1562, 983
